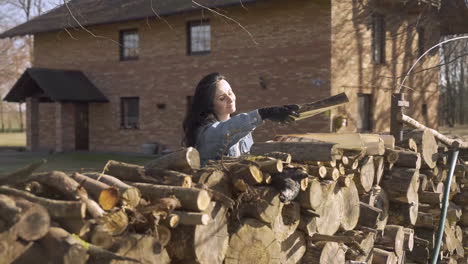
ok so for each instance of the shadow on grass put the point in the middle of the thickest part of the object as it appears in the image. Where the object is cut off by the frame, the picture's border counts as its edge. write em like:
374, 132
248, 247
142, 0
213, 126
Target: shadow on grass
67, 162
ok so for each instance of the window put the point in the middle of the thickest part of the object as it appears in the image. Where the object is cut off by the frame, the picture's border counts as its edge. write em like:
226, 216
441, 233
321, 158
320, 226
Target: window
420, 41
199, 37
129, 44
378, 39
364, 120
129, 112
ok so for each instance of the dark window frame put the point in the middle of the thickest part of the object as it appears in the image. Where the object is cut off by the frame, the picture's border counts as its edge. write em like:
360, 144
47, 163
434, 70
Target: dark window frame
122, 34
368, 99
378, 39
421, 40
123, 118
191, 24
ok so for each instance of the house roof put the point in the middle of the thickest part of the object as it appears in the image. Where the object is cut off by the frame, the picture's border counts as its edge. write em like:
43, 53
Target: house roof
96, 12
55, 85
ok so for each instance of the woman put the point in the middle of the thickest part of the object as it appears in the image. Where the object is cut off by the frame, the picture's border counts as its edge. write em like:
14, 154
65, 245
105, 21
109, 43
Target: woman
210, 128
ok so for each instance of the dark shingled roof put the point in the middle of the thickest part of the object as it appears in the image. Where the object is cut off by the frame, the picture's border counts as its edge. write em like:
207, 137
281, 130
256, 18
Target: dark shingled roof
96, 12
55, 85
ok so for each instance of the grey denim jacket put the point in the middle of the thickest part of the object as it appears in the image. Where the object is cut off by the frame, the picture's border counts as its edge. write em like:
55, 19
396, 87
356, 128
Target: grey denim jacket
232, 137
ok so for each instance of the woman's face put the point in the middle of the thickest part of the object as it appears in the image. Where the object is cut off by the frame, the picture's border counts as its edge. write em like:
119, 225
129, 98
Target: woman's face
224, 101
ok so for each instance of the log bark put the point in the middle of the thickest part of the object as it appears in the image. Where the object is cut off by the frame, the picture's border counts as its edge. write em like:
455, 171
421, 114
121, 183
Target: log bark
300, 151
169, 177
406, 159
293, 248
56, 209
266, 207
192, 218
184, 160
191, 198
70, 188
350, 209
317, 171
420, 253
284, 157
130, 195
128, 172
287, 221
201, 243
324, 252
249, 173
270, 165
432, 198
379, 199
383, 257
58, 251
403, 214
402, 185
365, 178
369, 215
215, 180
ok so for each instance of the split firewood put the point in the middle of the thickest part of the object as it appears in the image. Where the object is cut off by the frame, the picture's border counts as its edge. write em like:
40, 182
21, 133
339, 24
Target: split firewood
190, 198
252, 240
184, 160
201, 243
56, 209
107, 196
130, 195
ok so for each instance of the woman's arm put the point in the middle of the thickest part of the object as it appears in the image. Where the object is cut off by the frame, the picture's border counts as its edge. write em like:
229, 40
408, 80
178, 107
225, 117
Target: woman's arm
227, 133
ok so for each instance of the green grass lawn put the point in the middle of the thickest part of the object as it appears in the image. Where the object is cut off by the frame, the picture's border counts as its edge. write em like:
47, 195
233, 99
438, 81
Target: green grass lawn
67, 162
13, 139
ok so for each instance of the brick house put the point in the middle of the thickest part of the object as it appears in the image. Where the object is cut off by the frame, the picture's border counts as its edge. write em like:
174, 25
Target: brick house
127, 78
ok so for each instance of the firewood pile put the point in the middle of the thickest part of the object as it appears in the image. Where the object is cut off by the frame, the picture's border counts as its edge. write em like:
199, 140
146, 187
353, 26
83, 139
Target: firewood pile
312, 198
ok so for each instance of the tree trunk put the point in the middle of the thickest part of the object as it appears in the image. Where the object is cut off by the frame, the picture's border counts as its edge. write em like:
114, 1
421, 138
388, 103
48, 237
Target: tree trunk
128, 172
191, 198
201, 243
284, 157
427, 146
317, 171
184, 160
403, 214
33, 222
379, 199
369, 215
331, 210
393, 238
406, 159
420, 253
192, 218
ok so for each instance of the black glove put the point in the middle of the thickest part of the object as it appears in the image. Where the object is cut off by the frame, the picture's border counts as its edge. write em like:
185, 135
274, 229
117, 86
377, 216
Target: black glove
279, 113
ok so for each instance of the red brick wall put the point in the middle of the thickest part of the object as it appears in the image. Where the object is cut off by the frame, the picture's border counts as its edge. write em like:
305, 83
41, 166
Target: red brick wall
289, 48
353, 72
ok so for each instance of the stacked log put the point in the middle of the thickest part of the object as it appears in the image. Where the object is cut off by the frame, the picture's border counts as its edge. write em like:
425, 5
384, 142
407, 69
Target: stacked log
314, 198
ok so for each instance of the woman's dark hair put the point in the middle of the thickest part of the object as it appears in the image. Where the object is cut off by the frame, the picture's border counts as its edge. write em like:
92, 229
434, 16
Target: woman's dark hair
201, 110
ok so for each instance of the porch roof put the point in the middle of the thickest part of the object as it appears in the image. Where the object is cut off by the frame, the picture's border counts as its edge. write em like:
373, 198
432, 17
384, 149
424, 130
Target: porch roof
54, 85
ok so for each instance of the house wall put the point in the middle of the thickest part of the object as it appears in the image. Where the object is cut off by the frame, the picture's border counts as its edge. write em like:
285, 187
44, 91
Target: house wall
286, 43
47, 126
353, 71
